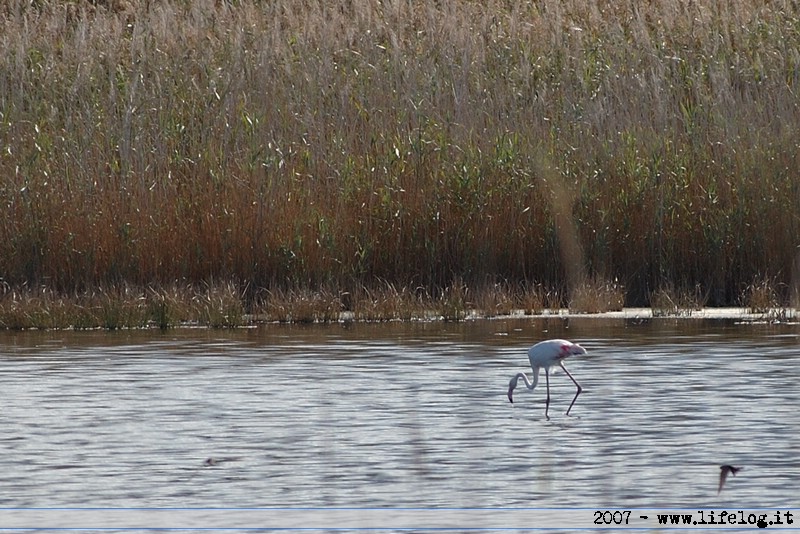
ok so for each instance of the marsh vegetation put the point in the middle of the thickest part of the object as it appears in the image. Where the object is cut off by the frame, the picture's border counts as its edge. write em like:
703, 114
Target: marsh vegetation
489, 154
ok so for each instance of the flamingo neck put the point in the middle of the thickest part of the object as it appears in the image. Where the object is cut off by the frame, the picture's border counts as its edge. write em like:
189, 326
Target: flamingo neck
528, 383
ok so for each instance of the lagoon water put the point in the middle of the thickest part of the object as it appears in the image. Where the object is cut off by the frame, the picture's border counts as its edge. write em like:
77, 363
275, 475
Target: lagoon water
401, 415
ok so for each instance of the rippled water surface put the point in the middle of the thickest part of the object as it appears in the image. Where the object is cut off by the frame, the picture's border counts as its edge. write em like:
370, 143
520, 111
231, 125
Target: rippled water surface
401, 415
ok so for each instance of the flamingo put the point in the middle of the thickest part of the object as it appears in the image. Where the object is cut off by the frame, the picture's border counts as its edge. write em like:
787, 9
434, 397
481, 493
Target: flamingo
547, 354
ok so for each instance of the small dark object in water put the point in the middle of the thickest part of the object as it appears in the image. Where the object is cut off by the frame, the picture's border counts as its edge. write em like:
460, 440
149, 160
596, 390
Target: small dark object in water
217, 461
723, 474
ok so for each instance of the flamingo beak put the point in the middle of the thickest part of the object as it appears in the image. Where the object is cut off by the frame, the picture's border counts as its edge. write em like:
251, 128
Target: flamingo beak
510, 398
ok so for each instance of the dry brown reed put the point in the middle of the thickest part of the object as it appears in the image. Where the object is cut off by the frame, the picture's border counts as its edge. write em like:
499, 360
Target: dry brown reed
118, 307
761, 296
597, 296
496, 299
669, 301
300, 146
302, 306
387, 302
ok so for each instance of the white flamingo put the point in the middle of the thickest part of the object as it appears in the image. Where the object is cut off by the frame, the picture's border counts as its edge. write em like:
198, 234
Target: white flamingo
547, 354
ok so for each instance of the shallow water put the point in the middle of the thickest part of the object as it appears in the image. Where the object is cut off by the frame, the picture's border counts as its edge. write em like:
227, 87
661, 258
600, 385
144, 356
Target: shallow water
392, 415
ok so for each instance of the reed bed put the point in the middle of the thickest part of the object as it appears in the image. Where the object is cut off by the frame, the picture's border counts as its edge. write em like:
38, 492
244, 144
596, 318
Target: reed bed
298, 148
123, 307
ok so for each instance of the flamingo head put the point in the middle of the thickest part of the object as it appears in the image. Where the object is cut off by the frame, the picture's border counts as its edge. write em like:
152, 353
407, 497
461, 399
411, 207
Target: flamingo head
511, 385
572, 349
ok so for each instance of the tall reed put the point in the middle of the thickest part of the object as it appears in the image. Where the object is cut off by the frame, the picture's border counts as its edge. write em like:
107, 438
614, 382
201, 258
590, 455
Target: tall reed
348, 144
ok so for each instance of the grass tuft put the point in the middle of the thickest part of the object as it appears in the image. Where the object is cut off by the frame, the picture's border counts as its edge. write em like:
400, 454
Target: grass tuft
452, 304
498, 299
671, 302
762, 297
302, 306
597, 296
220, 306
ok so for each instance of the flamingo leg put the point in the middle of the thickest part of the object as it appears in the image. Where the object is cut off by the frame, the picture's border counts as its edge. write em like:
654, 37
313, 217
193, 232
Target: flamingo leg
547, 400
578, 392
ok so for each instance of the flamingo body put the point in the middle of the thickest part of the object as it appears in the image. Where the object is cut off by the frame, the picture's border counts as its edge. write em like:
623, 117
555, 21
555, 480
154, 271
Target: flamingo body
545, 355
